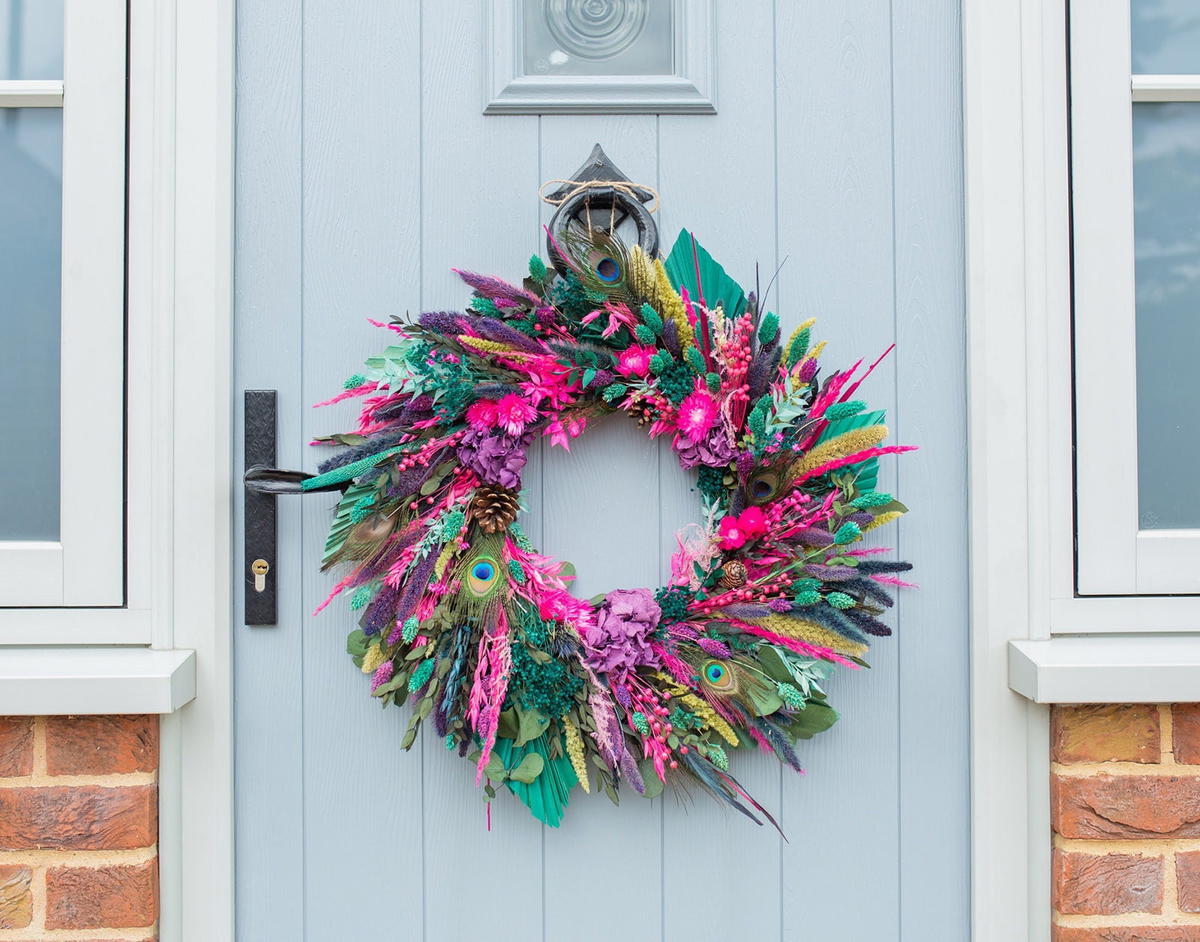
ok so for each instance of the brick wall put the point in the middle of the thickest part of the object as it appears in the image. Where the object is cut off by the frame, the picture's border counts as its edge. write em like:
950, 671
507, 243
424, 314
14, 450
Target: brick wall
1125, 808
78, 828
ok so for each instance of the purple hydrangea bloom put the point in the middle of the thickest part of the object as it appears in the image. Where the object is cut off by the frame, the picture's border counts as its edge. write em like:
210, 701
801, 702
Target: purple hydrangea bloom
712, 451
619, 641
495, 456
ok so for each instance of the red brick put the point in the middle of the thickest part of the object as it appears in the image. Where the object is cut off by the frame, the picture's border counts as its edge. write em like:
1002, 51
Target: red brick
1105, 733
102, 897
1128, 934
1125, 806
1185, 727
100, 745
1106, 884
16, 898
16, 746
83, 817
1187, 874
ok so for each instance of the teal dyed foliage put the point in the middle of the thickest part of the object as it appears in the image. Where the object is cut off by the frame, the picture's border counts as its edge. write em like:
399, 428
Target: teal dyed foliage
710, 483
484, 306
573, 299
452, 523
791, 696
674, 601
420, 676
676, 382
362, 595
650, 316
848, 532
549, 688
363, 508
844, 410
840, 600
353, 382
768, 329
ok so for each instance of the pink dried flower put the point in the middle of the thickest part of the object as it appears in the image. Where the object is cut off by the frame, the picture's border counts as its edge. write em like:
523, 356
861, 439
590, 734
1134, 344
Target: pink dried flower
634, 360
753, 521
697, 414
482, 414
730, 533
514, 413
561, 432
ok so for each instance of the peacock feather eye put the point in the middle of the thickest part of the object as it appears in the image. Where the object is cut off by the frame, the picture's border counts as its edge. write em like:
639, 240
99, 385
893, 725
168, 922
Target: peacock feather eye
763, 486
718, 676
608, 270
481, 577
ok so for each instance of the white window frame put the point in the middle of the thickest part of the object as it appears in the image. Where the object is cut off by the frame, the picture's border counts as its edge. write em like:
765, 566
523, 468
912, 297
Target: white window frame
85, 566
1032, 633
690, 90
1115, 557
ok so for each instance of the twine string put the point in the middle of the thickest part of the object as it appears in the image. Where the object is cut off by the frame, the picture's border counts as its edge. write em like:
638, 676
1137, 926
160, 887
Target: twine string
578, 186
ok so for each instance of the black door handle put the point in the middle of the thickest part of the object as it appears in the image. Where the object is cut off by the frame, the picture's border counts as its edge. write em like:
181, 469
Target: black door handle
259, 523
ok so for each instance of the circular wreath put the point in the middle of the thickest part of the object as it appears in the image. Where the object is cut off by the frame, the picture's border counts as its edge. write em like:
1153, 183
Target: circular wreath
462, 616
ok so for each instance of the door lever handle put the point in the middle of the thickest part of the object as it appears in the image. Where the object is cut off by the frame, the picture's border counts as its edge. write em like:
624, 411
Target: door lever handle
263, 483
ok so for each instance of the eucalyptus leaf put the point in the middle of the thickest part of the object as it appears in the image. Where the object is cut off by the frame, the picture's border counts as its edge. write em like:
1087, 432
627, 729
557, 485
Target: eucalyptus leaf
654, 785
529, 769
495, 770
357, 643
508, 725
532, 725
816, 718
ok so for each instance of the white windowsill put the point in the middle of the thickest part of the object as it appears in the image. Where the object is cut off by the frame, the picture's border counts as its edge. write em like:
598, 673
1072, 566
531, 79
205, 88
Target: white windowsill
81, 681
1107, 669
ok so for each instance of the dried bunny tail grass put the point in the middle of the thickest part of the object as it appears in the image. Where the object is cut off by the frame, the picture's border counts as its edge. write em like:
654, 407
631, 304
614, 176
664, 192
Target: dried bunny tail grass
642, 277
840, 446
801, 629
575, 752
698, 706
670, 305
883, 519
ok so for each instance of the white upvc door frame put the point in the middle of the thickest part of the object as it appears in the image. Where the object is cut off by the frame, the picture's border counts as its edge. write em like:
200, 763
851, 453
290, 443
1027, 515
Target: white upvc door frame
181, 204
1018, 342
181, 301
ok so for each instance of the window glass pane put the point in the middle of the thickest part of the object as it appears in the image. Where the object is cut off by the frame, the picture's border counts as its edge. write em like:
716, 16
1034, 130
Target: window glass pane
30, 274
1165, 36
31, 39
598, 37
1166, 173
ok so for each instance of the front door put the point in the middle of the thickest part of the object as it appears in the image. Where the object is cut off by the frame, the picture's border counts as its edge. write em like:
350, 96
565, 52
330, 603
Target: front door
365, 171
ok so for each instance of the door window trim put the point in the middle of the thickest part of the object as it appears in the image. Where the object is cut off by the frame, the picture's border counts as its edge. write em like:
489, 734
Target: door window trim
85, 565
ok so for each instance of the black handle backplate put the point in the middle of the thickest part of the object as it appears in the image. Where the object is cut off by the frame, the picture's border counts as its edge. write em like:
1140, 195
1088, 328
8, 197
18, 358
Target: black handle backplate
260, 606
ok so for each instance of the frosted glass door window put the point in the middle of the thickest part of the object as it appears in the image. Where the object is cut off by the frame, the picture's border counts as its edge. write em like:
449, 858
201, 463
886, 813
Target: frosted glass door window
598, 37
31, 39
30, 273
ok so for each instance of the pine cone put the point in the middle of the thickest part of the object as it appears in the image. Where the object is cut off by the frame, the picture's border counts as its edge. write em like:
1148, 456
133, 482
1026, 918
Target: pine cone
494, 507
644, 412
734, 576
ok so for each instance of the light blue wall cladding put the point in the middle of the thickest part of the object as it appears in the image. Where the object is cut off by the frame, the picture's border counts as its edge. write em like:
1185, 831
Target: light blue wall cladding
365, 170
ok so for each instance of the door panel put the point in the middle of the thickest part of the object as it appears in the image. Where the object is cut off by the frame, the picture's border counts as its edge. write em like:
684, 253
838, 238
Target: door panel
365, 171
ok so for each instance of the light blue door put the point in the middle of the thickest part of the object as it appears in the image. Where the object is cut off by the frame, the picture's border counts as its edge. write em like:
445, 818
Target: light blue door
365, 170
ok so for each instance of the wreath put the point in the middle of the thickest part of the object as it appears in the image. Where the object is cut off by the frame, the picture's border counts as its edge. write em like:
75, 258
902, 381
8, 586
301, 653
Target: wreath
461, 616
